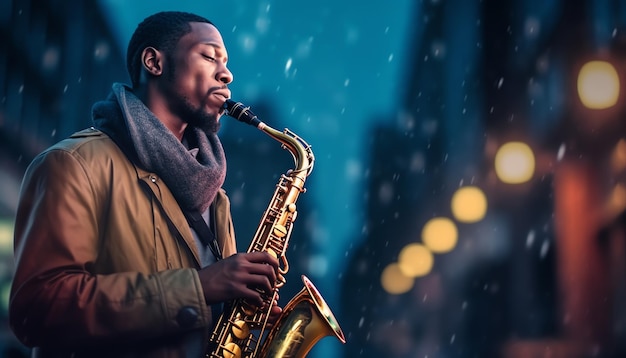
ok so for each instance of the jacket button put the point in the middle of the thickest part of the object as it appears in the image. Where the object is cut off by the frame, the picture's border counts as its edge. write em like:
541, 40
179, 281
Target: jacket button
187, 316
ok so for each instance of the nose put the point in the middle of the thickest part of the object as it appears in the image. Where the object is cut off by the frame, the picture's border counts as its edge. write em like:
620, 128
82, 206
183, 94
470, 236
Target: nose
224, 75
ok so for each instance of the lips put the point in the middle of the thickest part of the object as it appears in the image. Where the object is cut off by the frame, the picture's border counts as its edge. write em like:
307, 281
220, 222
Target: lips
222, 94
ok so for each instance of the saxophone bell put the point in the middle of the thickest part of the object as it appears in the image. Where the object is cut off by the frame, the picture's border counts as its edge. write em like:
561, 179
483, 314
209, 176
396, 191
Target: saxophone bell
305, 320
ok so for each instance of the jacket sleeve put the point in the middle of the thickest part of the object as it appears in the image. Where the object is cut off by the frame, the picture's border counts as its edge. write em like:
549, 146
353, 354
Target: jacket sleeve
56, 298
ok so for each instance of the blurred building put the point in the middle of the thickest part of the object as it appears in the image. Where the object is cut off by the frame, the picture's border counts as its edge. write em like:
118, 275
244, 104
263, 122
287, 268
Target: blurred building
57, 58
541, 274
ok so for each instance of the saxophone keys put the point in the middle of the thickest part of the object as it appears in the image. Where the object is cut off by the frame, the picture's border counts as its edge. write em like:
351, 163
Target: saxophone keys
291, 207
280, 230
231, 350
240, 329
281, 280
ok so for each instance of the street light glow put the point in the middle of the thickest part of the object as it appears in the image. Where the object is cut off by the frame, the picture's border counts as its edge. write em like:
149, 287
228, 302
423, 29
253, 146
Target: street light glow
415, 260
515, 163
469, 204
394, 281
440, 235
598, 85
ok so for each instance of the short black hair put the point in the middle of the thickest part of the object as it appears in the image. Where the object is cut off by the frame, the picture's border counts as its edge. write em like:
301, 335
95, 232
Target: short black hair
161, 31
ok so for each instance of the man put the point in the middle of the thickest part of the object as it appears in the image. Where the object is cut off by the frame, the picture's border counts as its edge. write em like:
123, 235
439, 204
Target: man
121, 228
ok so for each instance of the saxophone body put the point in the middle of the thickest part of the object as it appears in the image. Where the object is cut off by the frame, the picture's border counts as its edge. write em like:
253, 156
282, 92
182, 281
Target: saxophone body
242, 329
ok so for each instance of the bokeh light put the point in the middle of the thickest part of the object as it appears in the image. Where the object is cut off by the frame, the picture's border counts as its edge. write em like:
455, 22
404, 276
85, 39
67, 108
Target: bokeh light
394, 281
515, 163
415, 260
440, 235
6, 237
469, 204
598, 85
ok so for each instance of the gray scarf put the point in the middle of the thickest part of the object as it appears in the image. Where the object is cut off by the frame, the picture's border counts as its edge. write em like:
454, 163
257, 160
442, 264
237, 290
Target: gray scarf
150, 145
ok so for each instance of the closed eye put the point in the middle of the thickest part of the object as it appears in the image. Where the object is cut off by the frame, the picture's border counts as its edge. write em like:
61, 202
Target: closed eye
209, 58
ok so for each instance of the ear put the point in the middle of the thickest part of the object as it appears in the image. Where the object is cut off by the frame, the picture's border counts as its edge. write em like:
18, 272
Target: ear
152, 61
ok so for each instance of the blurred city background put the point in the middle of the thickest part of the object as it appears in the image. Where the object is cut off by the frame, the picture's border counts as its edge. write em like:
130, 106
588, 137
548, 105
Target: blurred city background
468, 196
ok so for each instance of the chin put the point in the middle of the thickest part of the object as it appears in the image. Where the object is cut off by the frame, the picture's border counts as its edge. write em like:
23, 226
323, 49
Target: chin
212, 126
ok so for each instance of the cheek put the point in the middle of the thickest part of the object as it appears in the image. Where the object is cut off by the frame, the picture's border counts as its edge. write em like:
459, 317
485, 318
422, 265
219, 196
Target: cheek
193, 81
187, 86
202, 86
182, 76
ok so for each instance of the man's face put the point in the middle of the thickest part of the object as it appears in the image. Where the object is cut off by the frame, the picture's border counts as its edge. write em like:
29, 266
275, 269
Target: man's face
195, 77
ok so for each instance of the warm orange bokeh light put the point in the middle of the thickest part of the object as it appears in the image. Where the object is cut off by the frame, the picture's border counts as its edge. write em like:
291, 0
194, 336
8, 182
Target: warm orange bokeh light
469, 204
415, 260
515, 163
440, 235
598, 85
394, 281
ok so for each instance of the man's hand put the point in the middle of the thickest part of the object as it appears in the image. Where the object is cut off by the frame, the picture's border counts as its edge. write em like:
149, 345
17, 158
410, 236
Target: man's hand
240, 276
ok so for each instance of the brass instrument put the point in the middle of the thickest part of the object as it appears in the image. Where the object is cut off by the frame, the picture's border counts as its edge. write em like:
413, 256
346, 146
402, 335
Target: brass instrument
306, 318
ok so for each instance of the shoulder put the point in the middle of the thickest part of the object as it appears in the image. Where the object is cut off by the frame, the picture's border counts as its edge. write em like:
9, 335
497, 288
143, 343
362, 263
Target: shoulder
88, 149
82, 141
88, 145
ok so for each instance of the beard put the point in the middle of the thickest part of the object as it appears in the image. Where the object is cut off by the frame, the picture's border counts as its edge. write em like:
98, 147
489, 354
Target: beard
192, 115
197, 117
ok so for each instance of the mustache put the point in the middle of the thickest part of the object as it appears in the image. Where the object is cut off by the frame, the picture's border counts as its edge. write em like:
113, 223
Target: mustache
223, 90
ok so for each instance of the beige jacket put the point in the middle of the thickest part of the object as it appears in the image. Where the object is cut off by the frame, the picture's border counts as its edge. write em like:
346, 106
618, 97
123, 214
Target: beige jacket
106, 264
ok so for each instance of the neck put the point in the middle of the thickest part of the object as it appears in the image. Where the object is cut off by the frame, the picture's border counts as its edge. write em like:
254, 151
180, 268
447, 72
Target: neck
156, 103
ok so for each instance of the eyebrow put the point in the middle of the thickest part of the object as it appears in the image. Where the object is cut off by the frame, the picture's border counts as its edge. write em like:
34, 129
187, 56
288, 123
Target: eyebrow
213, 44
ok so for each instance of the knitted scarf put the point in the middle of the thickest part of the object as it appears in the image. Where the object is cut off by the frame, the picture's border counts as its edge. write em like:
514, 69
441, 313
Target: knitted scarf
194, 182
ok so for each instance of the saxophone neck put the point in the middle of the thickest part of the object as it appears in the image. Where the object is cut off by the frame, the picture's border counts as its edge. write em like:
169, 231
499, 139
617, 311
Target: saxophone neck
300, 150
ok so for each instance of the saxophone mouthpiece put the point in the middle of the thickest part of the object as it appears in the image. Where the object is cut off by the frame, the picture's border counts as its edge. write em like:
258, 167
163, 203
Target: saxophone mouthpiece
241, 113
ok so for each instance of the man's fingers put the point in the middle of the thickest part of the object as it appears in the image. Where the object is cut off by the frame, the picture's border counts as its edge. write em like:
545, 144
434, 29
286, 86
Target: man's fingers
263, 270
262, 257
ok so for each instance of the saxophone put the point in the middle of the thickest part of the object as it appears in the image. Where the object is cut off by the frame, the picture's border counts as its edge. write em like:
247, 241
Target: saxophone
306, 318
